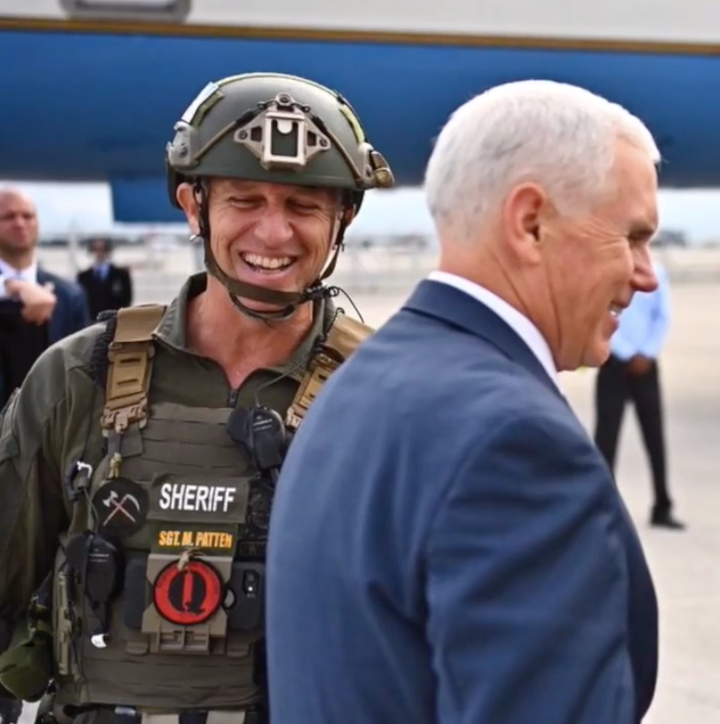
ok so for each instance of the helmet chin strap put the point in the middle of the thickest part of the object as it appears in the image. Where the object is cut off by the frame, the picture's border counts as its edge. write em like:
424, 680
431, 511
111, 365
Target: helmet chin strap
289, 302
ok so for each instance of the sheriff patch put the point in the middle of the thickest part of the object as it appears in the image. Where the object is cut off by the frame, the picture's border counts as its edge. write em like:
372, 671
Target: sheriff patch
197, 498
199, 502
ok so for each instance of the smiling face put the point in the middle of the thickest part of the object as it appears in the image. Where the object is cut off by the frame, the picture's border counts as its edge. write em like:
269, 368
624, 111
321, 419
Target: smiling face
275, 236
573, 274
593, 264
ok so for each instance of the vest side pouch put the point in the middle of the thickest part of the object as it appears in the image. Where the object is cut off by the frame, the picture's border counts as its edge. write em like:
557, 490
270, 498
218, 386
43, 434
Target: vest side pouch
64, 621
68, 603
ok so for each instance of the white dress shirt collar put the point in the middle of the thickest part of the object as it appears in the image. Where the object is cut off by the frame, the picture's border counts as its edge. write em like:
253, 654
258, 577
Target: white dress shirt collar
517, 321
9, 272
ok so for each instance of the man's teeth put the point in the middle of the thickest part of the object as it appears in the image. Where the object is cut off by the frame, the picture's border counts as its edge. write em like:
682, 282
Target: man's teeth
615, 310
267, 262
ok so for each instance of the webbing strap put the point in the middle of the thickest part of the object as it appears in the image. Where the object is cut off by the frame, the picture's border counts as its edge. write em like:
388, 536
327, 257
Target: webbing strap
212, 717
130, 357
345, 336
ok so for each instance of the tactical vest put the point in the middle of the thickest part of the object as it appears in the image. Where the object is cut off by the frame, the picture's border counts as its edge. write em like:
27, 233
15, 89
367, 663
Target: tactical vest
186, 516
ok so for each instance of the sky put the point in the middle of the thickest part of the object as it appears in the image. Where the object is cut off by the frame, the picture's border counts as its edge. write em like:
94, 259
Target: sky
88, 207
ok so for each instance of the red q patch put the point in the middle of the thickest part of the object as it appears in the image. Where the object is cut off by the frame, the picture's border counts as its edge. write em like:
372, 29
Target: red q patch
188, 596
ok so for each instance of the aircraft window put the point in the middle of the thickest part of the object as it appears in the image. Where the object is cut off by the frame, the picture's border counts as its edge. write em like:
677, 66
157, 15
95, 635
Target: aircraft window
128, 9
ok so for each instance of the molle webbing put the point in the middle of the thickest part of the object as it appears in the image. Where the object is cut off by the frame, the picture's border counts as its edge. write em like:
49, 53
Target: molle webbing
130, 356
153, 663
345, 335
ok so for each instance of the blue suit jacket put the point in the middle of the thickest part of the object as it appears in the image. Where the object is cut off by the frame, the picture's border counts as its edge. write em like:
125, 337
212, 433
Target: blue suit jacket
70, 314
71, 311
447, 545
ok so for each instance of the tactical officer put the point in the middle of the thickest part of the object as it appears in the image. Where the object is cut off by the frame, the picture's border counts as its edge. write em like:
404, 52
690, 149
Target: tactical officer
137, 462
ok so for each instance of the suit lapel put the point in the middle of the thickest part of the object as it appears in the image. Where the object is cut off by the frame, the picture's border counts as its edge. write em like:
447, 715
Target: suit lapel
42, 276
55, 323
452, 306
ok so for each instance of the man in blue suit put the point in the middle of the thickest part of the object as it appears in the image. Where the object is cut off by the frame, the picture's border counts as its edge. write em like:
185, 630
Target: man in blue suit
37, 308
447, 545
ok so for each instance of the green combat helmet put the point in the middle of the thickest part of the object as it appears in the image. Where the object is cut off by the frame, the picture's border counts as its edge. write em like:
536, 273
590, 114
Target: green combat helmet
275, 128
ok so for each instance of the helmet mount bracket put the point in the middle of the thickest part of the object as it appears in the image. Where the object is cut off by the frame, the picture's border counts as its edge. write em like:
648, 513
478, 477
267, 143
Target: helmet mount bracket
283, 135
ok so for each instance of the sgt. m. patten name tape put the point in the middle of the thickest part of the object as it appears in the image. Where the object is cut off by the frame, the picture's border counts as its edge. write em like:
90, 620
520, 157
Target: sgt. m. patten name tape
195, 539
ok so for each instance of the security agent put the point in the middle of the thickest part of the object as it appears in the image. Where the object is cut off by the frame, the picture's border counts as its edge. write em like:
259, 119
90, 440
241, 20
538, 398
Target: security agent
632, 374
37, 308
106, 285
139, 459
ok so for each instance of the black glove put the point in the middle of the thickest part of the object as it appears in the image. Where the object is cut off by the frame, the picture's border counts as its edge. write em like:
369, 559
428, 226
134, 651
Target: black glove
10, 710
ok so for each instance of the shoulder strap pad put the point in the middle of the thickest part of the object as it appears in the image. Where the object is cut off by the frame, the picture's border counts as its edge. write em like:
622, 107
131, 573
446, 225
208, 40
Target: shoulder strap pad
130, 358
344, 337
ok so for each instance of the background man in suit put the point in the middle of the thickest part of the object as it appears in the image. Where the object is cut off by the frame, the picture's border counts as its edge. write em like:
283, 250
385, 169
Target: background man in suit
632, 374
37, 308
447, 543
107, 286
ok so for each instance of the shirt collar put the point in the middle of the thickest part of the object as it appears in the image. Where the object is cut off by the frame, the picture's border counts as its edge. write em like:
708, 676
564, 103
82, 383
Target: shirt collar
9, 272
520, 324
173, 326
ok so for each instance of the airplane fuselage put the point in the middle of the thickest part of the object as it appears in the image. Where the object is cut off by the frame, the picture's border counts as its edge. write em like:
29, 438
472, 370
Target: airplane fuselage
96, 97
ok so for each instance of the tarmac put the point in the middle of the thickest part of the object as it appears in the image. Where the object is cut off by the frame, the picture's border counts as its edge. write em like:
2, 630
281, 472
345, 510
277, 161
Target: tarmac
685, 565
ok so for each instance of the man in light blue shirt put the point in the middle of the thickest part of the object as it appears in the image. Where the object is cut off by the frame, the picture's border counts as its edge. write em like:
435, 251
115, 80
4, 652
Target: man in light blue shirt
632, 374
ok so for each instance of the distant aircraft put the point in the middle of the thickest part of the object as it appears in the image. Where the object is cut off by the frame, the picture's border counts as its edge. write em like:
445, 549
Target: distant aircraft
91, 88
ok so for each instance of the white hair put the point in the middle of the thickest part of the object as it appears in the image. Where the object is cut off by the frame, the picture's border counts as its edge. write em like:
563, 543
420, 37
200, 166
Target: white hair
561, 136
